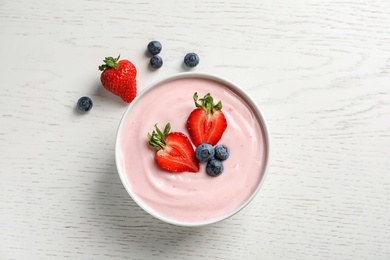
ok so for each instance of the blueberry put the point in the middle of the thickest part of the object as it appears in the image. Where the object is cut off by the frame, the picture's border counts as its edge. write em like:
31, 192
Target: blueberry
154, 47
204, 152
221, 152
84, 104
156, 62
214, 167
191, 60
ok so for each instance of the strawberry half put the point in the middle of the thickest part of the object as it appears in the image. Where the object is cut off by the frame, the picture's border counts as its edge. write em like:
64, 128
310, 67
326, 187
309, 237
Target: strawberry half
206, 123
118, 77
174, 150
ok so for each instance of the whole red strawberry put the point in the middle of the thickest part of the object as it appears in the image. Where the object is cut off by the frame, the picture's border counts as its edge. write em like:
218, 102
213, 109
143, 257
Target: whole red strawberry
119, 77
206, 123
174, 150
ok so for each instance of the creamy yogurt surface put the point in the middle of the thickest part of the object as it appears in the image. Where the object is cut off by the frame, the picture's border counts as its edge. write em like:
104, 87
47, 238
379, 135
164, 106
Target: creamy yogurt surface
190, 197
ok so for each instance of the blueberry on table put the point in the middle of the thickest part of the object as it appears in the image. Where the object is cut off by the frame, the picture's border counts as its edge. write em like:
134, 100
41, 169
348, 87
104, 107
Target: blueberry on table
156, 62
214, 167
221, 152
84, 104
204, 152
154, 47
191, 60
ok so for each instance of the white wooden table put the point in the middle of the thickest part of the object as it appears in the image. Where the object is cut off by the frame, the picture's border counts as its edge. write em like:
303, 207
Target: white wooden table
320, 71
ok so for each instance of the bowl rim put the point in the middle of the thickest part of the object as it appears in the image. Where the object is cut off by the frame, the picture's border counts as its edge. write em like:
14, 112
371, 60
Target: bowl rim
235, 88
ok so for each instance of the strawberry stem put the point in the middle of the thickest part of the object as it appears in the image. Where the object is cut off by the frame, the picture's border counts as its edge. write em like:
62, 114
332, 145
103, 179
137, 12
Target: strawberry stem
207, 103
109, 62
157, 138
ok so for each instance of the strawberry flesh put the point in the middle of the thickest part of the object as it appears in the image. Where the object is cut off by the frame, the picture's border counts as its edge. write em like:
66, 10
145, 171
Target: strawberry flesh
175, 152
206, 123
178, 154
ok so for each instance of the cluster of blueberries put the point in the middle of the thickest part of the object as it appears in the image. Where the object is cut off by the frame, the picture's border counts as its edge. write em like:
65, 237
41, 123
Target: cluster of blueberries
213, 156
156, 62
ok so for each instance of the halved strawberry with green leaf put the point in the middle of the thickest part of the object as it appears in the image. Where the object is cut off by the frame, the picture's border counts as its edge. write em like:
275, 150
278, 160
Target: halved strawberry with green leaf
206, 123
174, 150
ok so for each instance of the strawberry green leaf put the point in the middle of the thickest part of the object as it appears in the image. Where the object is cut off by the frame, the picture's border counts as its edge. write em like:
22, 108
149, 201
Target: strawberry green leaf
110, 62
195, 97
218, 106
160, 134
167, 129
157, 138
207, 103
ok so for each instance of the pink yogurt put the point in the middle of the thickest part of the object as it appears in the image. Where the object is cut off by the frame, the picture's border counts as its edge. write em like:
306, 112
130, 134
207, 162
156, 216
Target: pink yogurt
192, 199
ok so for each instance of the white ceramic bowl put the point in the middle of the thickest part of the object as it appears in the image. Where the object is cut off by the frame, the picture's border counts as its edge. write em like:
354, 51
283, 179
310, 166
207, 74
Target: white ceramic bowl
159, 193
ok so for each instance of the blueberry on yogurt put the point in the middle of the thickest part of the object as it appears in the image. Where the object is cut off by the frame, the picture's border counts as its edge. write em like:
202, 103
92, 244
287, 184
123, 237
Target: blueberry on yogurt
221, 152
204, 152
214, 167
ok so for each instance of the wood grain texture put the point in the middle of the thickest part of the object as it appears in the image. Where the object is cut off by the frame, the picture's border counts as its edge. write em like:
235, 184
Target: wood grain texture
320, 71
